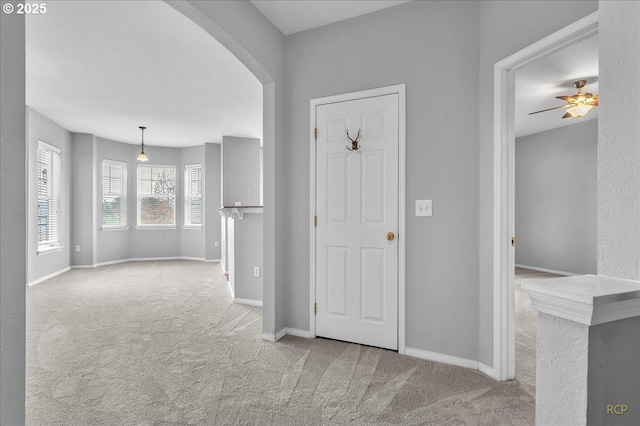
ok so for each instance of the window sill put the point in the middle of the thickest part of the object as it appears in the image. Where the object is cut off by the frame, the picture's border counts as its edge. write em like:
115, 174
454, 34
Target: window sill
154, 227
192, 227
48, 250
114, 228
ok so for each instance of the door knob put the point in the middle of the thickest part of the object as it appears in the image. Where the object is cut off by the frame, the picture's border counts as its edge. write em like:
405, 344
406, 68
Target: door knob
390, 236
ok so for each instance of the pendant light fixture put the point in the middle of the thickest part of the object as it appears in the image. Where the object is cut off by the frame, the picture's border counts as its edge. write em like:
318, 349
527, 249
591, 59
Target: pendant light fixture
142, 156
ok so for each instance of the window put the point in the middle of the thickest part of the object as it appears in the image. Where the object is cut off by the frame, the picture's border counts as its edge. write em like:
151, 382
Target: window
193, 195
156, 195
114, 194
49, 169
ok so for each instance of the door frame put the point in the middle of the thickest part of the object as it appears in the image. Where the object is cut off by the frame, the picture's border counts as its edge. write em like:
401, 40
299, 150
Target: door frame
504, 184
398, 89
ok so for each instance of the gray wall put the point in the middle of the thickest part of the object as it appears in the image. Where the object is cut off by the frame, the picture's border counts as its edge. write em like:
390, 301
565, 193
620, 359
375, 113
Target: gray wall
41, 128
505, 28
114, 245
434, 50
614, 372
247, 234
12, 218
83, 199
213, 201
192, 238
240, 171
555, 207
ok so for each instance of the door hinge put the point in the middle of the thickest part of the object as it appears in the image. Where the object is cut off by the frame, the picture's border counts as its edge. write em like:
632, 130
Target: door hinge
315, 308
315, 221
513, 241
315, 134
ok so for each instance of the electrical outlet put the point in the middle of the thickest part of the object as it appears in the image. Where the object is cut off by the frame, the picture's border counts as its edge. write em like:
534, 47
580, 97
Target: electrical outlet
424, 208
215, 244
77, 248
256, 271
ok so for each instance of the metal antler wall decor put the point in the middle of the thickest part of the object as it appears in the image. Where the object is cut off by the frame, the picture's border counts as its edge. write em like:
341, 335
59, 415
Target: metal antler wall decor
354, 142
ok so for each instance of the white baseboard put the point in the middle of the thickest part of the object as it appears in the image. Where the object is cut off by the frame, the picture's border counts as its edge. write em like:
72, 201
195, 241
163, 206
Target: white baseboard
298, 333
273, 337
233, 296
46, 277
212, 261
83, 266
445, 359
250, 302
551, 271
486, 370
147, 259
280, 334
269, 337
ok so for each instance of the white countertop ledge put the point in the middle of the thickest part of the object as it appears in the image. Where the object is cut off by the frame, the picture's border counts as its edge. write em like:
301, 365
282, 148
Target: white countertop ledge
586, 299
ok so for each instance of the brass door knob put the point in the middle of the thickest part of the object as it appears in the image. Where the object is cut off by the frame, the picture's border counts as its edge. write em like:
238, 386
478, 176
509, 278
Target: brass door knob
390, 236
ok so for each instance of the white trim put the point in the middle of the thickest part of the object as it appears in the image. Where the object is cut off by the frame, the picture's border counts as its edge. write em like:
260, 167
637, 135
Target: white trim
400, 90
192, 227
280, 334
154, 227
46, 277
46, 145
231, 292
213, 260
445, 359
83, 266
48, 250
148, 259
485, 369
269, 337
274, 337
298, 333
503, 187
114, 228
249, 302
551, 271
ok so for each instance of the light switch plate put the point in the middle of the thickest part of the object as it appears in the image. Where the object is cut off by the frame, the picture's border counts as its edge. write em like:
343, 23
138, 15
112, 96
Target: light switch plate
424, 208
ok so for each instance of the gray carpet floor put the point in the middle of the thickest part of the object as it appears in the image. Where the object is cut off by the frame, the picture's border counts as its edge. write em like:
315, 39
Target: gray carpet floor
161, 343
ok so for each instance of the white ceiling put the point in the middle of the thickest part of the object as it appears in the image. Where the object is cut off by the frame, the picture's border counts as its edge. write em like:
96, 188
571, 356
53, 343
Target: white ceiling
539, 83
292, 16
107, 67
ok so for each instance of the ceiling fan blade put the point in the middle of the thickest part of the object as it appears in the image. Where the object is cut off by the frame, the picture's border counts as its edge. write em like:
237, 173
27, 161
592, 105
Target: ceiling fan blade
567, 115
567, 98
549, 109
593, 101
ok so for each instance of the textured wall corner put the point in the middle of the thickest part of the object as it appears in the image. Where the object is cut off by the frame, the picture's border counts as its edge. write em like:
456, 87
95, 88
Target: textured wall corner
562, 371
619, 141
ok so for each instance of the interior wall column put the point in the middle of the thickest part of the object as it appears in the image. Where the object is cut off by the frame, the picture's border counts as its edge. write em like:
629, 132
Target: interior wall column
619, 141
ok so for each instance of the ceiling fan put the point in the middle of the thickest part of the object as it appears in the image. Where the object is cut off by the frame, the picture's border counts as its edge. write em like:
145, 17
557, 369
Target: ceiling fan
578, 105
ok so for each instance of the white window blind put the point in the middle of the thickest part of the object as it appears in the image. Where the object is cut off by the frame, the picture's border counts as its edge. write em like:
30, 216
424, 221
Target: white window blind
114, 194
156, 195
193, 195
49, 170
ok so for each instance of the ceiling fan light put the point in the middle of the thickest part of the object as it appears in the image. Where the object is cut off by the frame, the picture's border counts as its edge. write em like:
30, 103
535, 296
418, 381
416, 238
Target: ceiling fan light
579, 111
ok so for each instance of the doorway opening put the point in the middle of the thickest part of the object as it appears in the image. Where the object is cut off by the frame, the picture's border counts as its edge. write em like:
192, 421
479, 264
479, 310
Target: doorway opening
504, 241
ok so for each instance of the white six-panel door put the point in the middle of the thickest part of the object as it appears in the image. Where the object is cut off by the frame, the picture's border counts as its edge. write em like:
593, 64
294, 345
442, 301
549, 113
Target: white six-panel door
357, 209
